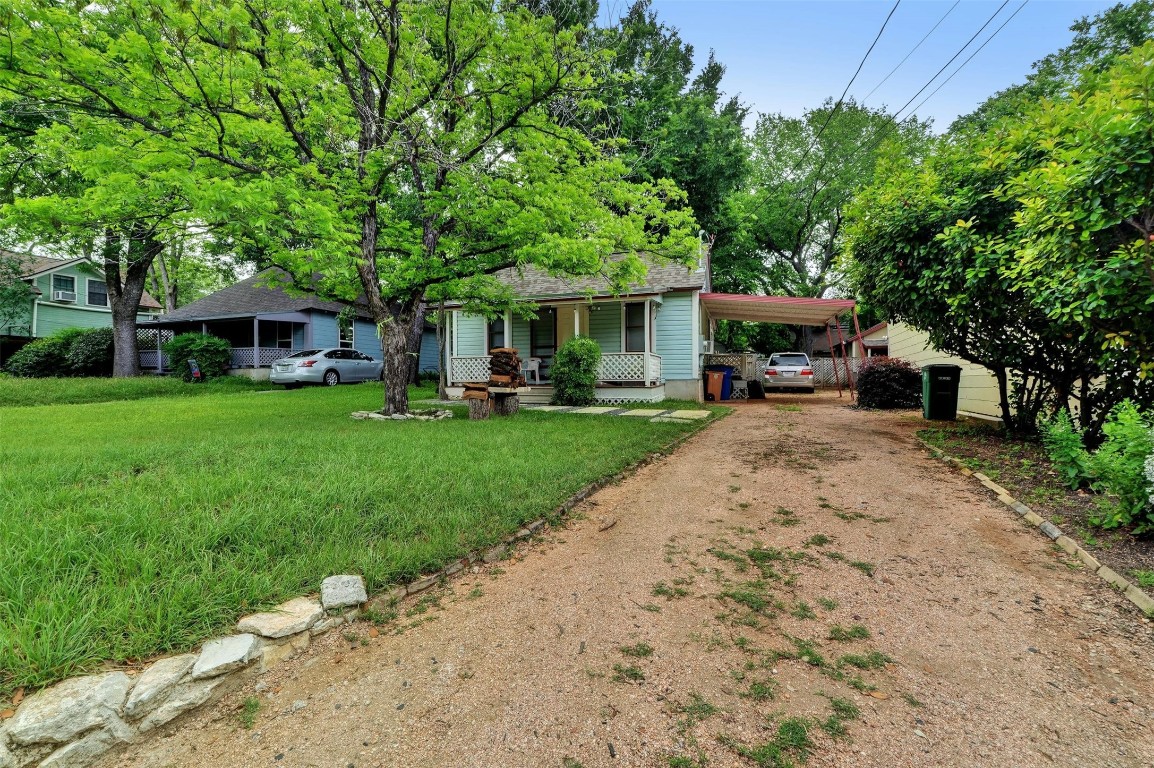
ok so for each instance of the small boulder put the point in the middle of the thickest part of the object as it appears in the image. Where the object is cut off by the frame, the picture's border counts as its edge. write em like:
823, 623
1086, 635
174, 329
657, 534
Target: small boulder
343, 591
185, 697
224, 655
82, 753
284, 620
155, 684
68, 709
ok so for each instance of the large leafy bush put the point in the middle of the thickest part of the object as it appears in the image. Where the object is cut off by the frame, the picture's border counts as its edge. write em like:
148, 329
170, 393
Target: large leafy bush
211, 353
91, 353
888, 382
1063, 443
51, 355
574, 372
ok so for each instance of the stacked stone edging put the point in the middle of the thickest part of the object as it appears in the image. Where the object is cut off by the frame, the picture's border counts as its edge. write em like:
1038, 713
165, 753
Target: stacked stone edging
1129, 590
74, 722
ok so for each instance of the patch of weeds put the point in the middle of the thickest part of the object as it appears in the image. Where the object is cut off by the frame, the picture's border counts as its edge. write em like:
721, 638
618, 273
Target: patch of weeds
844, 635
734, 488
790, 742
1144, 579
863, 566
594, 673
827, 602
496, 571
747, 619
858, 684
640, 650
872, 660
569, 762
714, 641
761, 690
844, 711
803, 611
681, 761
697, 710
743, 505
739, 562
378, 616
807, 652
786, 517
248, 712
350, 636
424, 604
661, 589
474, 593
836, 556
627, 674
751, 594
818, 540
651, 607
908, 698
744, 643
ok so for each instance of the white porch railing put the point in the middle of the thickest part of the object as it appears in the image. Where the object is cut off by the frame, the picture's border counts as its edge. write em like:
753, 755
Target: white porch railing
615, 366
258, 357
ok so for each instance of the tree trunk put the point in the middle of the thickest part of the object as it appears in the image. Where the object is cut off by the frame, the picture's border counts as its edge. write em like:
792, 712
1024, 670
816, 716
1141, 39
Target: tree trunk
125, 288
395, 347
416, 335
1004, 398
442, 373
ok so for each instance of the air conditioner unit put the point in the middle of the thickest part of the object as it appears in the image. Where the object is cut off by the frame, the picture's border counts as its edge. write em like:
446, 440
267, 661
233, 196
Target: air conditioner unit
64, 296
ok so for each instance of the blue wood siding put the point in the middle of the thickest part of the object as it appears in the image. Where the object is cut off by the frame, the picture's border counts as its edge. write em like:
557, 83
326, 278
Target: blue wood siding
325, 331
429, 359
675, 334
521, 336
471, 333
605, 325
365, 338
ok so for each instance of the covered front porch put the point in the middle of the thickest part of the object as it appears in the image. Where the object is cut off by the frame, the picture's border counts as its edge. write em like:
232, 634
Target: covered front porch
625, 329
255, 341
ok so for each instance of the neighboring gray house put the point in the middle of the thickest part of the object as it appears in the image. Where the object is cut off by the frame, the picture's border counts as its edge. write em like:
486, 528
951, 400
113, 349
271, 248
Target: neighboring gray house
263, 323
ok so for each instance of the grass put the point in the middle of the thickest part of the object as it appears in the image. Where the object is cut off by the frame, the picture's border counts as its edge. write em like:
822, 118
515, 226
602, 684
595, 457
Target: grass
17, 393
627, 674
640, 650
131, 529
248, 712
844, 635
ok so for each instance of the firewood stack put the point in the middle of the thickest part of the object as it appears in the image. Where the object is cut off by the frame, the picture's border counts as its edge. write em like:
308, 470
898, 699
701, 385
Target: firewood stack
505, 368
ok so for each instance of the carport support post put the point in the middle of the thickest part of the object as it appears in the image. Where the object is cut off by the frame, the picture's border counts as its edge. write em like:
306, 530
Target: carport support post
255, 342
845, 362
857, 330
832, 359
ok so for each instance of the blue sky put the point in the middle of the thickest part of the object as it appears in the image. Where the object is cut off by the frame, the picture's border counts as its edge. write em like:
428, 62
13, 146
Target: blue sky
787, 55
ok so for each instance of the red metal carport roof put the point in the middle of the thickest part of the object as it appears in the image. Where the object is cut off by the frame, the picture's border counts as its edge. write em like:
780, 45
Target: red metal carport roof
774, 309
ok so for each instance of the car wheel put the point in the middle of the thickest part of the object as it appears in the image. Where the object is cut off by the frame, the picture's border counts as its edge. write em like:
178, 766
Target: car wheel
332, 378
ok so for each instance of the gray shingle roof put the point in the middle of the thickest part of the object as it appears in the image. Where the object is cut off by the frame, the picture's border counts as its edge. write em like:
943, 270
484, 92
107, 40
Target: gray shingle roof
34, 266
251, 297
533, 283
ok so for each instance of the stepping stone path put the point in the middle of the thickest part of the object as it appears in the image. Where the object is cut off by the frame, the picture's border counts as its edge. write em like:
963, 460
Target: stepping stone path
653, 414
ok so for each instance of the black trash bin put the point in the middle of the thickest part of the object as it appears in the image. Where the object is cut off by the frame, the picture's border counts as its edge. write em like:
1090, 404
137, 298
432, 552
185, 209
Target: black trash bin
940, 391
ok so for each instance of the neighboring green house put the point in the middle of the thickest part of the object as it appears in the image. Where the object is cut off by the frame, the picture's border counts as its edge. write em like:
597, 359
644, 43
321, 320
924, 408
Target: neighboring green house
66, 293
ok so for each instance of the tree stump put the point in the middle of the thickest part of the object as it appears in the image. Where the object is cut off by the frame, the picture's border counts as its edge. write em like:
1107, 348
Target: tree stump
478, 409
507, 405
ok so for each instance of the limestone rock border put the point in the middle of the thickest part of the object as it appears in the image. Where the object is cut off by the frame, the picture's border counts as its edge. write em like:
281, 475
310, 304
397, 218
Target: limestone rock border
74, 722
1129, 590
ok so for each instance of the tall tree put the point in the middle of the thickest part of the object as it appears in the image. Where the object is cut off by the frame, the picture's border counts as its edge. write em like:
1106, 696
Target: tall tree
382, 148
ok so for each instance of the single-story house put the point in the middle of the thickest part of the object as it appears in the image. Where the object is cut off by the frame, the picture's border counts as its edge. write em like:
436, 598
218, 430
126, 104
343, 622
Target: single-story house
872, 342
652, 336
977, 390
65, 293
263, 321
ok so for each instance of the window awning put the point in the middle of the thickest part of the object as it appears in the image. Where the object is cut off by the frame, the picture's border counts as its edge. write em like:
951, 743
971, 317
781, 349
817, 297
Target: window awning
774, 309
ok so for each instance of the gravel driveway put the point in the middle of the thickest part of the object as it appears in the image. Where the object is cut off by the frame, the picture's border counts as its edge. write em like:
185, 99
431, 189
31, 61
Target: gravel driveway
799, 579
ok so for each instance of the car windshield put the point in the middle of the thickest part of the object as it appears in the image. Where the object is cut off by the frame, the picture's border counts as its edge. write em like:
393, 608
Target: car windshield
797, 359
305, 353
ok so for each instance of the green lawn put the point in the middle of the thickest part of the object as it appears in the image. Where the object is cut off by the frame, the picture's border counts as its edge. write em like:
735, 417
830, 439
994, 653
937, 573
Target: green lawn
16, 392
132, 528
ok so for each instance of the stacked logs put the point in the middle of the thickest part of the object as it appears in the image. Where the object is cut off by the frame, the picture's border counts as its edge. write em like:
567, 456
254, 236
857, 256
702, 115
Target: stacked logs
505, 368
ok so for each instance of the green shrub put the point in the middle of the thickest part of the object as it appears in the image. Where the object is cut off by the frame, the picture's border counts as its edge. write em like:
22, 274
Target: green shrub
574, 372
1118, 468
887, 382
46, 357
91, 353
212, 354
1063, 443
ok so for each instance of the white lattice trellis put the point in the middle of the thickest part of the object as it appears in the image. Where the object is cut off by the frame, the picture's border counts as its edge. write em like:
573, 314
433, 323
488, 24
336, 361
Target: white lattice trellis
269, 355
462, 369
823, 375
241, 357
627, 366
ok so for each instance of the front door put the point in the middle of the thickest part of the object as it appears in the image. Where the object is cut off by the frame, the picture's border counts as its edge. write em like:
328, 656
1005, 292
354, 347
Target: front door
543, 338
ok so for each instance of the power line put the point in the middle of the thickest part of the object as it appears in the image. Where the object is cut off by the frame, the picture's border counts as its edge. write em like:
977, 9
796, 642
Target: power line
913, 50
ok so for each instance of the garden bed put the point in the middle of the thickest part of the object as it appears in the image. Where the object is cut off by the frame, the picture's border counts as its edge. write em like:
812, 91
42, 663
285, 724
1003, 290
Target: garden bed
1023, 468
130, 529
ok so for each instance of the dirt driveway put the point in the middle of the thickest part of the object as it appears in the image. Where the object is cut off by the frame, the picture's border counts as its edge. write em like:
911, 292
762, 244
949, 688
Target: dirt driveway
797, 579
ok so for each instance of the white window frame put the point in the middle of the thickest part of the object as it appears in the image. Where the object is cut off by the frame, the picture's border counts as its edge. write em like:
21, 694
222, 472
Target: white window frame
88, 282
64, 277
351, 341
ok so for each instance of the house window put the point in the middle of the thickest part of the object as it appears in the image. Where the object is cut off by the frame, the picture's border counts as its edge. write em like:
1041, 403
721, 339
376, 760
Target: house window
497, 333
346, 332
635, 327
276, 334
97, 293
63, 283
542, 334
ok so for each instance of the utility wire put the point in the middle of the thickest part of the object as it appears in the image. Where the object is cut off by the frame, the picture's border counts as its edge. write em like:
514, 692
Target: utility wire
913, 50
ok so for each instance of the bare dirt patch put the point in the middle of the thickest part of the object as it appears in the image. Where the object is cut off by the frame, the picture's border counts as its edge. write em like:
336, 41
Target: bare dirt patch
891, 615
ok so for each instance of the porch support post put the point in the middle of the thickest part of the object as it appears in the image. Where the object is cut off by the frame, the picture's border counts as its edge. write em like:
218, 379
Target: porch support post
576, 319
508, 328
451, 347
645, 357
255, 342
159, 353
204, 329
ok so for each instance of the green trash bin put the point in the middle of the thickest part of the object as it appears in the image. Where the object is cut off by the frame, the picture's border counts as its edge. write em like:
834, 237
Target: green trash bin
940, 392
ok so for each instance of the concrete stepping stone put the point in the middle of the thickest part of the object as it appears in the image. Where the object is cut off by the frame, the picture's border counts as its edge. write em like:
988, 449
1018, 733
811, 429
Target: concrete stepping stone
644, 412
546, 408
690, 415
596, 409
670, 420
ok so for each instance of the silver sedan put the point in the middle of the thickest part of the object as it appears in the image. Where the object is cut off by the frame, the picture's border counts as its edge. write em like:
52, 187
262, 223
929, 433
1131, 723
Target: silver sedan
790, 370
325, 366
